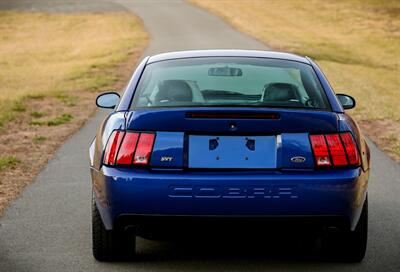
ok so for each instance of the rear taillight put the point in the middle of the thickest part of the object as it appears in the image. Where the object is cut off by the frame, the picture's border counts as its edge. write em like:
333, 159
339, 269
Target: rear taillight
351, 148
112, 147
144, 148
335, 150
126, 148
320, 149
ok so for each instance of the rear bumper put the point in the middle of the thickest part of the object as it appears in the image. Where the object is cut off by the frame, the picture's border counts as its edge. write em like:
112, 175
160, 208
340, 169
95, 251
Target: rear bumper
135, 193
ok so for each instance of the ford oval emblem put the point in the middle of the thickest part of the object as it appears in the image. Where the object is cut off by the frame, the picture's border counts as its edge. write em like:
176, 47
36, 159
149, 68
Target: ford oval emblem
298, 159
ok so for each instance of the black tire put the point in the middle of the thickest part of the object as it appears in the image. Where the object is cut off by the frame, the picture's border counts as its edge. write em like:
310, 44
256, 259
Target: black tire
355, 244
350, 246
110, 245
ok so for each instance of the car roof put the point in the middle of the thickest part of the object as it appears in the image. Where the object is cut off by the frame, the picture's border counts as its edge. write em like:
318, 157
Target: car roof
227, 53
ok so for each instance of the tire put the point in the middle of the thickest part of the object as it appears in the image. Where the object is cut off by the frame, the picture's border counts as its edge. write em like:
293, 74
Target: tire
350, 246
110, 245
355, 244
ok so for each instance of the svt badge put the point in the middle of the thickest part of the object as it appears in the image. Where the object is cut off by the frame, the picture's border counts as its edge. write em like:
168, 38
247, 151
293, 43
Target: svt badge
166, 159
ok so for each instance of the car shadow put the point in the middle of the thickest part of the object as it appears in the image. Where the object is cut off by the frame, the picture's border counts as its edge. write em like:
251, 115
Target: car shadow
235, 252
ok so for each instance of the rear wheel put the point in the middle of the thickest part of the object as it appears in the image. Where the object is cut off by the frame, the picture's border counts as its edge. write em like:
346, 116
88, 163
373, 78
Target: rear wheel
351, 245
110, 245
356, 241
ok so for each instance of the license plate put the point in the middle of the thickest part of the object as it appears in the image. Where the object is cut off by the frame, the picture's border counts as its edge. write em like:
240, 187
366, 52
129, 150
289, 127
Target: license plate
258, 152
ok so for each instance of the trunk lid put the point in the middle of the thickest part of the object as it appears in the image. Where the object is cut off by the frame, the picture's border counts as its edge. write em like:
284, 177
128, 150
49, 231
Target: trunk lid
177, 119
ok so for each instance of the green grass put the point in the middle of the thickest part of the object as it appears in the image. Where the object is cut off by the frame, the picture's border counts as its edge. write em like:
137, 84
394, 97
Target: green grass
19, 106
66, 99
39, 139
10, 110
36, 96
37, 114
65, 118
62, 119
8, 161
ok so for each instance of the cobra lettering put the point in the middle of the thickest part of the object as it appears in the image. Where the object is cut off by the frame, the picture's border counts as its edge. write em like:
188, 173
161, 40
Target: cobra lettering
250, 191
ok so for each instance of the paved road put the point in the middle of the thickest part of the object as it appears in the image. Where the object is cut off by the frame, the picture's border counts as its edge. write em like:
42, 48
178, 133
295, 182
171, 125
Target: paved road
48, 227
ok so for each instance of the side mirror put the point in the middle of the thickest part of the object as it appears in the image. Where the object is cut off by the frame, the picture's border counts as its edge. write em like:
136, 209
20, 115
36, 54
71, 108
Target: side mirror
107, 100
347, 101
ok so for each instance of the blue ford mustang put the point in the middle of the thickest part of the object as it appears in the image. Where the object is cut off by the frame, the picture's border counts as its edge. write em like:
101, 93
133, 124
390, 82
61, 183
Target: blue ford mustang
228, 134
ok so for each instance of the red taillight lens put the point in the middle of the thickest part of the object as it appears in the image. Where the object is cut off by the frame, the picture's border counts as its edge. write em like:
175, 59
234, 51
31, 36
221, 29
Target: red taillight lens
144, 149
320, 149
128, 148
351, 148
336, 149
112, 147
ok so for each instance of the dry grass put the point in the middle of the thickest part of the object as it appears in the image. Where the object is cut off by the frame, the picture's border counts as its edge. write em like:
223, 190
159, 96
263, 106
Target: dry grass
48, 54
357, 43
51, 68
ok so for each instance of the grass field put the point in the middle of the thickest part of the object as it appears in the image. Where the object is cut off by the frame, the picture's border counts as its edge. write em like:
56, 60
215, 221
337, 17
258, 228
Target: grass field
52, 54
357, 43
52, 66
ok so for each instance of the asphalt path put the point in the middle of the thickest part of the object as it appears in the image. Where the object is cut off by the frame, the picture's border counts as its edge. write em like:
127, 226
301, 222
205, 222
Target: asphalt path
48, 228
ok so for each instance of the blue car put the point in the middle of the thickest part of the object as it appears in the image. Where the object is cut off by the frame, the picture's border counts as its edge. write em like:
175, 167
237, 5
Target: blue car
222, 135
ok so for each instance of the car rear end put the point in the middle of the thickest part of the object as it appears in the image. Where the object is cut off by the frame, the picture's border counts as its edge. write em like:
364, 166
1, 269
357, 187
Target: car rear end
228, 154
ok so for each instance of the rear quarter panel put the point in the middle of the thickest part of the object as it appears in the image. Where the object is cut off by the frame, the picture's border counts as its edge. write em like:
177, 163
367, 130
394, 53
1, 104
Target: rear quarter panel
115, 120
346, 123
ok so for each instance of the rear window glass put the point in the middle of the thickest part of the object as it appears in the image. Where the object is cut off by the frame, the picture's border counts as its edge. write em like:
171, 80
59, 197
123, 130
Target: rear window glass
229, 82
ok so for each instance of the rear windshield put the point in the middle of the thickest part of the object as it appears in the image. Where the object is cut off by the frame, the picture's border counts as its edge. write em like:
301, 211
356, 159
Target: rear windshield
229, 82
